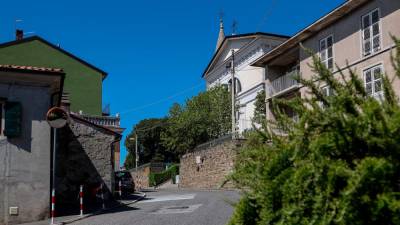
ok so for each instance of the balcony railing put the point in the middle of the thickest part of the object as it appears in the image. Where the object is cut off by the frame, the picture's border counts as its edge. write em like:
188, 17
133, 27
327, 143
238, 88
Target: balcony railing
283, 83
108, 121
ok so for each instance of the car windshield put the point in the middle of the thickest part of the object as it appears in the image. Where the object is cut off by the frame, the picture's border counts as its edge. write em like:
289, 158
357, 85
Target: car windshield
123, 175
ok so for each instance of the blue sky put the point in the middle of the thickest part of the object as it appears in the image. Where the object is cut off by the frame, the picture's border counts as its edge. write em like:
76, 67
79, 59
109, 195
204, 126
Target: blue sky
152, 50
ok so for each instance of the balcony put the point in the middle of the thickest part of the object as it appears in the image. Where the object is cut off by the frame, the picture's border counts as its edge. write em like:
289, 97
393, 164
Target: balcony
283, 84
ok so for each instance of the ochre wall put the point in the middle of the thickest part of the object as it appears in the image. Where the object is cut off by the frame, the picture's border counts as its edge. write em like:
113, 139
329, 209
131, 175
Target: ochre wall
83, 83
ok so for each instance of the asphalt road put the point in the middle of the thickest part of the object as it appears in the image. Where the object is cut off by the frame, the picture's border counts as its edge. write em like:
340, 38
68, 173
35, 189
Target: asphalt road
172, 208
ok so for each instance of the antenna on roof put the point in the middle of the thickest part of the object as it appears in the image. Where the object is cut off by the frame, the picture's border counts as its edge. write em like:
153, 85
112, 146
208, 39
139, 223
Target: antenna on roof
29, 32
15, 23
234, 27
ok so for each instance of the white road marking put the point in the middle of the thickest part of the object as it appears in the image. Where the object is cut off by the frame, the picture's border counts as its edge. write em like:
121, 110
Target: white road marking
164, 198
177, 209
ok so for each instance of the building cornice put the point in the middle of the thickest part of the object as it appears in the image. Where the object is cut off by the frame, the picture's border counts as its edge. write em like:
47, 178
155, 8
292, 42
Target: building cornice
241, 36
325, 21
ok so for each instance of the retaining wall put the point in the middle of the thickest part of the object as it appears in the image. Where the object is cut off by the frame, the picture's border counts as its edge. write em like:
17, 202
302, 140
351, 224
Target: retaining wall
208, 165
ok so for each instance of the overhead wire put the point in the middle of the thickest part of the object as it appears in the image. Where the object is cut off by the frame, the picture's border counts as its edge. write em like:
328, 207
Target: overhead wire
162, 100
267, 14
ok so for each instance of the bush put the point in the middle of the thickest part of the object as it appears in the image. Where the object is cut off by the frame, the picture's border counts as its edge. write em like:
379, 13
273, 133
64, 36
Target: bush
245, 213
159, 178
338, 164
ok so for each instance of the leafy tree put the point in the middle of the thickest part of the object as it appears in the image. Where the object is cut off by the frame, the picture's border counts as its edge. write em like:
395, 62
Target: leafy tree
260, 110
130, 160
339, 164
203, 118
149, 142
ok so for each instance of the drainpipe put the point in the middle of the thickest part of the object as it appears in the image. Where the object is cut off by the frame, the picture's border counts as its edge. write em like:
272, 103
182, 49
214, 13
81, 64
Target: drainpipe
118, 139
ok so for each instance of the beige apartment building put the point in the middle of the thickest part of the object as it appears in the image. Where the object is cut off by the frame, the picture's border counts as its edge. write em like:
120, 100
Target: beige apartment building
357, 34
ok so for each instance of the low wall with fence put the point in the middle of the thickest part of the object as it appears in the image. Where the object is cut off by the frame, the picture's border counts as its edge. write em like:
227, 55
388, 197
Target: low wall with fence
207, 166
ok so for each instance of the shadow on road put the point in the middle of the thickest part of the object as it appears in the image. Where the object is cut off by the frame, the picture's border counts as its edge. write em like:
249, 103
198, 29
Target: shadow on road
122, 208
148, 190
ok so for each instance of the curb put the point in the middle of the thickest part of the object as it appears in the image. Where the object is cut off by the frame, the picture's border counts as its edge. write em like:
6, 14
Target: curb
142, 196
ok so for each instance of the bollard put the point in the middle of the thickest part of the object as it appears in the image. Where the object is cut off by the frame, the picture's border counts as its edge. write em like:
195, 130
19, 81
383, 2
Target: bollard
102, 196
53, 205
81, 199
120, 189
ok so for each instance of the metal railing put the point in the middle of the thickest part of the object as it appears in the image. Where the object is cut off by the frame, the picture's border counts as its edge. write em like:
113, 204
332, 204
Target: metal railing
282, 83
109, 121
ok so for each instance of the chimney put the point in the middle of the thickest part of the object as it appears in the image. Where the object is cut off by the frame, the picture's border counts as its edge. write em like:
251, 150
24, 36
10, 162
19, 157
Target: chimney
19, 34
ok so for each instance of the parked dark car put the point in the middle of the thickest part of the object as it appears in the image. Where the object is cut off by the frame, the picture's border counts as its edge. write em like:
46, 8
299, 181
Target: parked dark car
127, 184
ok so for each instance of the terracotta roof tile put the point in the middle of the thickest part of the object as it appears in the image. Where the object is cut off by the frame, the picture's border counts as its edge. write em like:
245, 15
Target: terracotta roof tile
31, 68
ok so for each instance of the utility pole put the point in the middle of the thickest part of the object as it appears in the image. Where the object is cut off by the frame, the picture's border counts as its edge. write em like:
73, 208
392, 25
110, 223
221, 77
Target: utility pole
136, 151
233, 90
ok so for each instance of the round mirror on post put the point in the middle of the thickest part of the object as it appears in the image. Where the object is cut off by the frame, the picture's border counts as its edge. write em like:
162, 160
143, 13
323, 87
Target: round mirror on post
57, 117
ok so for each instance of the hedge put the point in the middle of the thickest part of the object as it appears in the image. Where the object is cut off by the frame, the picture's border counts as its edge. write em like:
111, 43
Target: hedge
159, 178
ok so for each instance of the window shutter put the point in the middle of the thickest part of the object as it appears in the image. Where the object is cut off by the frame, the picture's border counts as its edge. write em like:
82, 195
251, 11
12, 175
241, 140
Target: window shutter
13, 119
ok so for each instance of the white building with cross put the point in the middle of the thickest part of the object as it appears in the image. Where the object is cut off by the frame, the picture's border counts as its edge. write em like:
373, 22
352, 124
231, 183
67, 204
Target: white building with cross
249, 80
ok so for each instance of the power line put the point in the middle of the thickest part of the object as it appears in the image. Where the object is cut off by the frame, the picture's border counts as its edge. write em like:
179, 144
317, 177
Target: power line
171, 97
152, 127
267, 14
162, 100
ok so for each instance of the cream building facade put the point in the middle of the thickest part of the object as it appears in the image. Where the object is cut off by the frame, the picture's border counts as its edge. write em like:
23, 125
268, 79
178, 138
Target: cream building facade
355, 35
249, 79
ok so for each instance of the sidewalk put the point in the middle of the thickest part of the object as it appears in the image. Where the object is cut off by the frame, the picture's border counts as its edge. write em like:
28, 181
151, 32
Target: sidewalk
127, 200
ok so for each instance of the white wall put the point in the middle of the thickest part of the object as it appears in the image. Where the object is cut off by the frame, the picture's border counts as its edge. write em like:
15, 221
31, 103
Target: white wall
251, 78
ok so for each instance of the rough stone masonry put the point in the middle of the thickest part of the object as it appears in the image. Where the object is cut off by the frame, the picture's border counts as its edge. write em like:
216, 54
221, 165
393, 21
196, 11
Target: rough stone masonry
85, 157
207, 166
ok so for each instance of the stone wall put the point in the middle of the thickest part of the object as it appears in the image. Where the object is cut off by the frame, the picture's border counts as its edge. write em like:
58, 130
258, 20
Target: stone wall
85, 156
207, 166
141, 177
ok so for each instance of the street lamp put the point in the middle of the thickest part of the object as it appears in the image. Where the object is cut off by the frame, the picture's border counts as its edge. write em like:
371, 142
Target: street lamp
136, 150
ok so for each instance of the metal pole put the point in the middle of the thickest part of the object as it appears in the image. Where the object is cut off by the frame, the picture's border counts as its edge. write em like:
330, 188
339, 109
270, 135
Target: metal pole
102, 196
81, 199
53, 191
233, 90
120, 189
136, 151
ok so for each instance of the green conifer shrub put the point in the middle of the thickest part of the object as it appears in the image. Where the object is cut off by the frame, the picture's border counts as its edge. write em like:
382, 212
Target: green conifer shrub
339, 163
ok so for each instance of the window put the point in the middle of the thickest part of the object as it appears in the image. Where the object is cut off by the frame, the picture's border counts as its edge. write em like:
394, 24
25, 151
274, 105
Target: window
293, 115
327, 91
326, 51
373, 81
238, 85
371, 33
12, 119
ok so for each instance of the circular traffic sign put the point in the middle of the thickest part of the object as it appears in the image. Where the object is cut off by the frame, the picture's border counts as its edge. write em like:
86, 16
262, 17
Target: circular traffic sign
57, 117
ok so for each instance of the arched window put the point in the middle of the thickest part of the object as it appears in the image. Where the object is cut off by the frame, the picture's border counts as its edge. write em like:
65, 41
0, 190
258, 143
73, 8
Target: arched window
238, 85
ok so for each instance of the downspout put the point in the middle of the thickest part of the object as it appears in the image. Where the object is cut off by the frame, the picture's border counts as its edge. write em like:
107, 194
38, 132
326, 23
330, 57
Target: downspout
117, 139
60, 92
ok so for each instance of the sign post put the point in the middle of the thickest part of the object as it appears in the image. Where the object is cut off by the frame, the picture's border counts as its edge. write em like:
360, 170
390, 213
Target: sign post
57, 118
